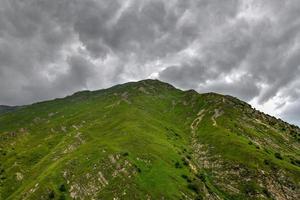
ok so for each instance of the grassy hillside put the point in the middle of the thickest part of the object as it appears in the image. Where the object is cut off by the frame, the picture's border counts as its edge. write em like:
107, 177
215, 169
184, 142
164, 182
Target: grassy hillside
147, 140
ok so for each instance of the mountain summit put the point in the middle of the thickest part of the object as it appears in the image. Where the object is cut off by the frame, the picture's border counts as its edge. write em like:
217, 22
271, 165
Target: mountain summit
147, 140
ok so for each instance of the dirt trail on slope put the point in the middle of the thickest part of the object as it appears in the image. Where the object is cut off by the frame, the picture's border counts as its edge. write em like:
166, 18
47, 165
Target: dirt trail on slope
196, 122
217, 114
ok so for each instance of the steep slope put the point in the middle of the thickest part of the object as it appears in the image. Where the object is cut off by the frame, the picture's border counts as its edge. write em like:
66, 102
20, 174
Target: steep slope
147, 140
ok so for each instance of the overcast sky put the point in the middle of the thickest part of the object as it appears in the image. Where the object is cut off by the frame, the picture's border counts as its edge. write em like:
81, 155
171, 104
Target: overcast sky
248, 49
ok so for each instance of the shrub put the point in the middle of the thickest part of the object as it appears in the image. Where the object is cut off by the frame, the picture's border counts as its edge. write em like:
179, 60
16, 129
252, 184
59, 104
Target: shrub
295, 162
266, 192
199, 197
250, 188
278, 155
62, 188
51, 194
125, 154
137, 168
201, 176
194, 187
178, 165
186, 178
185, 161
267, 162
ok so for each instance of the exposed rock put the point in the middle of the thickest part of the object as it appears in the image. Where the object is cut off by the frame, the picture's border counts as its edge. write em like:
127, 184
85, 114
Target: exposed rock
64, 129
142, 89
19, 176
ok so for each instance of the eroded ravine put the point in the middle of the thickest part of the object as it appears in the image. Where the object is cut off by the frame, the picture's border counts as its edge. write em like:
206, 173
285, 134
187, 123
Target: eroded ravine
200, 153
194, 142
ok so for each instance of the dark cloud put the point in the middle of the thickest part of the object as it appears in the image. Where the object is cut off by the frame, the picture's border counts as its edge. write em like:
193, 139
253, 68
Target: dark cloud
249, 49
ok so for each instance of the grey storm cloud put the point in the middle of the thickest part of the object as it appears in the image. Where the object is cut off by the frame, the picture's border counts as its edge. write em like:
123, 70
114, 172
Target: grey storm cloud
249, 49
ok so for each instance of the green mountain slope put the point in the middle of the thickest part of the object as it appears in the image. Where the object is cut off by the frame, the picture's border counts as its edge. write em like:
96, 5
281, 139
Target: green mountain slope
147, 140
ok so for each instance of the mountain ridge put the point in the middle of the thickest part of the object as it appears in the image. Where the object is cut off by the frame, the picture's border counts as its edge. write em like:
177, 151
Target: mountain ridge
3, 108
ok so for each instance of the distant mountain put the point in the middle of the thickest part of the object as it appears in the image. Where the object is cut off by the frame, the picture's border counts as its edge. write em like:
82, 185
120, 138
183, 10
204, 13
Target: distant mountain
5, 109
147, 140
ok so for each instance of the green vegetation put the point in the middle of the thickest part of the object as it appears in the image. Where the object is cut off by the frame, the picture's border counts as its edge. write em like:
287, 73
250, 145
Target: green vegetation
147, 140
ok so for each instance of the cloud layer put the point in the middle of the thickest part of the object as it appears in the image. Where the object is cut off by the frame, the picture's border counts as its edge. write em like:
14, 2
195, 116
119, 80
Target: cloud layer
249, 49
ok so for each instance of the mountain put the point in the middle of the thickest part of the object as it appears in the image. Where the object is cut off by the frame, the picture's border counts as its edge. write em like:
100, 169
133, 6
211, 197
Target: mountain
5, 109
147, 140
